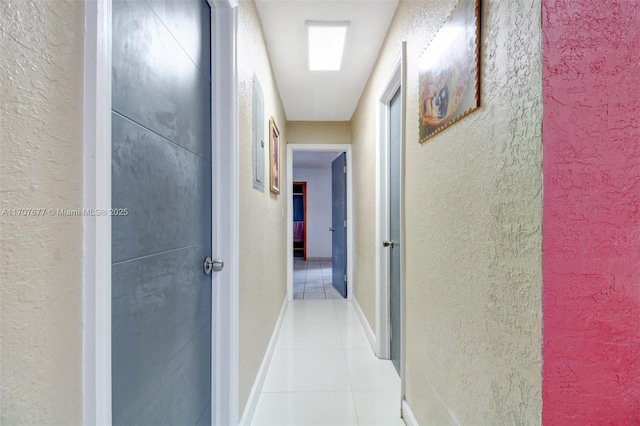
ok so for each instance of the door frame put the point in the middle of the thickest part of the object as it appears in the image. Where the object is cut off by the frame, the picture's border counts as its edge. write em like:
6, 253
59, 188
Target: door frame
96, 328
226, 208
291, 148
396, 79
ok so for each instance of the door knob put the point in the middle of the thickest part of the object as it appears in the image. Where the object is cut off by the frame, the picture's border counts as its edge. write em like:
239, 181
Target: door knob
386, 243
213, 265
332, 229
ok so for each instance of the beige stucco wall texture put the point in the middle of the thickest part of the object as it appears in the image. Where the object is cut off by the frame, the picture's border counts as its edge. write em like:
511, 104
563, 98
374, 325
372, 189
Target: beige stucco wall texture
41, 74
319, 132
263, 233
473, 224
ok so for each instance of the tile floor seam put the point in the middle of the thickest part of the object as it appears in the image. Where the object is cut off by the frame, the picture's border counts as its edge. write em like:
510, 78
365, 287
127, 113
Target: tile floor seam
300, 407
344, 354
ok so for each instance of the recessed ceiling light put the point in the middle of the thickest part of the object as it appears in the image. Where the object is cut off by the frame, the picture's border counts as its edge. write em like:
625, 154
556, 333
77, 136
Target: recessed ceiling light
326, 44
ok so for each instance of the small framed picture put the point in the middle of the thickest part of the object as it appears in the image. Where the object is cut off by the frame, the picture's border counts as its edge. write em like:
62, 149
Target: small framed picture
274, 155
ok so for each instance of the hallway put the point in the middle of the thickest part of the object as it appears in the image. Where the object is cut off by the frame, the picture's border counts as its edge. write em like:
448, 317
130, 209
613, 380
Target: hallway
312, 280
323, 371
153, 304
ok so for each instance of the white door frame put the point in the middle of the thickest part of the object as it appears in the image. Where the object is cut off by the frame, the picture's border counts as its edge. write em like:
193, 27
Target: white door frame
383, 311
96, 341
226, 207
396, 79
291, 148
96, 398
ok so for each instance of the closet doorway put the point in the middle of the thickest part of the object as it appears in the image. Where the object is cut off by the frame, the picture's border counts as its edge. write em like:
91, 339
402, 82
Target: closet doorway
300, 220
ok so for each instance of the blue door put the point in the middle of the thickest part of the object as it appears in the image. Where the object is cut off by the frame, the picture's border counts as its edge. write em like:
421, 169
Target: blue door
339, 223
161, 173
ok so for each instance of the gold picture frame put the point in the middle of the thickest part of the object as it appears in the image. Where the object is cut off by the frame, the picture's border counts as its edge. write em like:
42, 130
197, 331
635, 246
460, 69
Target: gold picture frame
274, 156
449, 71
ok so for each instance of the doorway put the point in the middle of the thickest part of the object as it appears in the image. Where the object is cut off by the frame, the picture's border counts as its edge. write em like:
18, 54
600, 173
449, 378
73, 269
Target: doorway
327, 257
319, 205
300, 220
104, 119
389, 217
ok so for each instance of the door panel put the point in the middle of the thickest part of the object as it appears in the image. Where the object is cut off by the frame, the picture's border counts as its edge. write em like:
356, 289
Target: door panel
188, 21
155, 82
395, 150
161, 173
338, 219
165, 183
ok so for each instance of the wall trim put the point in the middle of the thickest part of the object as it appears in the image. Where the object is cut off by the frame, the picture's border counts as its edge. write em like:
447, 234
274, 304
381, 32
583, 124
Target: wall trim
407, 414
254, 395
365, 324
96, 279
291, 147
403, 233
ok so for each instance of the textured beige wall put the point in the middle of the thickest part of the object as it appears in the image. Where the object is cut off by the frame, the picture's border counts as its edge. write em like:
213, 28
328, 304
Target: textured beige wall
319, 132
41, 73
363, 133
262, 214
473, 224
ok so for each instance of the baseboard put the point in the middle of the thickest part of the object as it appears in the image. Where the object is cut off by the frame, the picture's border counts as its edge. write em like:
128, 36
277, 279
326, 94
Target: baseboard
365, 324
318, 258
407, 414
252, 402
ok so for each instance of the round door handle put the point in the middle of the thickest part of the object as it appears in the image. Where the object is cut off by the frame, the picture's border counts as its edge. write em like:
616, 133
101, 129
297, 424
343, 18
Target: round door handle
213, 265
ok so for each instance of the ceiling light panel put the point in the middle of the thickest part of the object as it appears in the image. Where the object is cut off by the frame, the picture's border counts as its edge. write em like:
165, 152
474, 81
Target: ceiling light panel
326, 44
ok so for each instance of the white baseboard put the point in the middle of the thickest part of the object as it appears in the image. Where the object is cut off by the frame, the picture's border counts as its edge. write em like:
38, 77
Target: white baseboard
365, 324
407, 414
252, 402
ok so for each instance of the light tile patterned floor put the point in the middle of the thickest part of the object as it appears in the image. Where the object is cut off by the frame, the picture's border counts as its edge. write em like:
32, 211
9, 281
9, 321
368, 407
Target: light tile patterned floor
323, 371
312, 280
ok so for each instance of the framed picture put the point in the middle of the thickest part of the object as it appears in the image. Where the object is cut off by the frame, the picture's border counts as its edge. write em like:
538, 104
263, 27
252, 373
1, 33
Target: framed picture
274, 155
449, 71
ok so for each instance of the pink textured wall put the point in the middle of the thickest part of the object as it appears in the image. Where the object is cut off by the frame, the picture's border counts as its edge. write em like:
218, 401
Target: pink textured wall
591, 212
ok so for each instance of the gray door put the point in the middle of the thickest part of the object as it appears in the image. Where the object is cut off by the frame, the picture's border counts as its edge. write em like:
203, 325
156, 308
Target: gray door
395, 150
161, 175
339, 223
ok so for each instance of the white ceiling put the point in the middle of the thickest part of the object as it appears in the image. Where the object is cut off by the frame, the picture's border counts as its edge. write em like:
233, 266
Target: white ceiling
314, 159
323, 95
